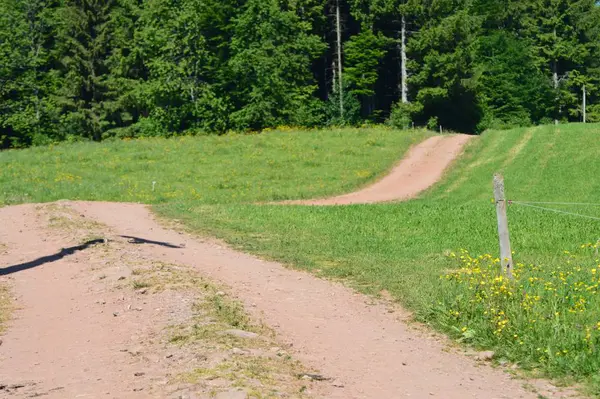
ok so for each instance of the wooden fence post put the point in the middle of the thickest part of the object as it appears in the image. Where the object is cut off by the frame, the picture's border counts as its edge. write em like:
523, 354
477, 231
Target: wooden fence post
584, 105
506, 260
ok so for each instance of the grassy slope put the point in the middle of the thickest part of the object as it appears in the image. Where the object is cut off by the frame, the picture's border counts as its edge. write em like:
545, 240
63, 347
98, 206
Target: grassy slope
208, 170
208, 183
400, 247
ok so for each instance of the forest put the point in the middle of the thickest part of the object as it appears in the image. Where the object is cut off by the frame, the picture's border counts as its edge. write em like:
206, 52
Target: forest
97, 69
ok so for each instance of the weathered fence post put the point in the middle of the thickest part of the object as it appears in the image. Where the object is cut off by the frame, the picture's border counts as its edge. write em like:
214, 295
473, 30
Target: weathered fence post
506, 260
584, 105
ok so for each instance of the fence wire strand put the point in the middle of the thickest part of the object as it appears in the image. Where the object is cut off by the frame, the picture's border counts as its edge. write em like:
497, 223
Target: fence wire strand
557, 203
529, 205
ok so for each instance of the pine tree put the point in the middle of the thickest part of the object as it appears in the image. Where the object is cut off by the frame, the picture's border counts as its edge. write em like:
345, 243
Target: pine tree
84, 36
364, 53
272, 52
184, 46
566, 45
443, 61
28, 114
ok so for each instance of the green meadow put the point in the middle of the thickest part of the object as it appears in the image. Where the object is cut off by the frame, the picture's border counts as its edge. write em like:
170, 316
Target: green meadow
436, 254
203, 170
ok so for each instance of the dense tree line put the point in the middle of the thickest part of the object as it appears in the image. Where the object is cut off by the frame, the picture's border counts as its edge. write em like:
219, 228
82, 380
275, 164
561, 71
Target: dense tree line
93, 69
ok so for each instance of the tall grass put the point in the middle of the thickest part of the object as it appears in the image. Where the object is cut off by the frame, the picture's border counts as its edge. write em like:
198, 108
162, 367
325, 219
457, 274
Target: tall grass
404, 248
208, 170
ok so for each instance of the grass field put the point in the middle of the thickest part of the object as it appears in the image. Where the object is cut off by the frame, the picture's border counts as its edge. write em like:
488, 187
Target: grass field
208, 170
403, 248
547, 320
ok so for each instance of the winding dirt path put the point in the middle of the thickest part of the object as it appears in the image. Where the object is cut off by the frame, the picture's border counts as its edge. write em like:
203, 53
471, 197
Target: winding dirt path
423, 166
60, 341
72, 334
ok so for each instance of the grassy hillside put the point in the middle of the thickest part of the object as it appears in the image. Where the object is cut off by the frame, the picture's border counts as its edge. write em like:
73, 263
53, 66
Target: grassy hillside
385, 246
208, 170
404, 248
548, 319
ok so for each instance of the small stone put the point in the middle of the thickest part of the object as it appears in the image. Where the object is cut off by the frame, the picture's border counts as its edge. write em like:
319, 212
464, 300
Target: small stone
138, 389
238, 351
115, 314
122, 278
139, 374
486, 355
169, 356
1, 342
220, 293
143, 291
313, 377
404, 363
241, 333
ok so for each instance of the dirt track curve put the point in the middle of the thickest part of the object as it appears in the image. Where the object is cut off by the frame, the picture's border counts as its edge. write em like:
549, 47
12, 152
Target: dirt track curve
423, 166
73, 332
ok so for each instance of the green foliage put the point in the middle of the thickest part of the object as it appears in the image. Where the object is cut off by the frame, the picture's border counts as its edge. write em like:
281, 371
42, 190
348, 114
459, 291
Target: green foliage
402, 115
211, 169
272, 50
433, 123
566, 43
28, 113
182, 53
86, 94
445, 51
403, 248
364, 53
98, 69
351, 106
593, 113
510, 90
546, 318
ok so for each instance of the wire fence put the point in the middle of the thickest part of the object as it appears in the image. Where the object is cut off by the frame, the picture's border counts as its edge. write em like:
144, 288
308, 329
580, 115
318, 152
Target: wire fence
536, 205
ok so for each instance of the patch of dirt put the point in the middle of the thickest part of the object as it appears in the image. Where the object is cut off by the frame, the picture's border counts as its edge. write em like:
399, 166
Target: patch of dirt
6, 304
111, 304
105, 318
423, 166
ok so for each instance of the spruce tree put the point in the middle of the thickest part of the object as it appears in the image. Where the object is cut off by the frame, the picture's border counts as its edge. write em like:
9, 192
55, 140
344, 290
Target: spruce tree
272, 52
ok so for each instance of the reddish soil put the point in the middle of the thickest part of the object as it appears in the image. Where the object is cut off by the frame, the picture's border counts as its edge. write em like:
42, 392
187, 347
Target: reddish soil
423, 166
65, 343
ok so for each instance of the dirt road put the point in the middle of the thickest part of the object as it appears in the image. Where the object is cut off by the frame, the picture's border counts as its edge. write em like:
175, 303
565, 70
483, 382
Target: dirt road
112, 304
423, 166
76, 329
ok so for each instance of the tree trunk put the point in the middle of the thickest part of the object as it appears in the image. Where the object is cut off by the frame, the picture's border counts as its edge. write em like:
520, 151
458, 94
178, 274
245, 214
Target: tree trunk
404, 83
555, 81
339, 56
